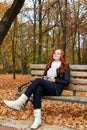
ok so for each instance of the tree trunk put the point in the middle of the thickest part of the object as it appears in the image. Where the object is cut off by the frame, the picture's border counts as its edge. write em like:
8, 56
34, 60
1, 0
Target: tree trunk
13, 58
47, 35
34, 52
73, 54
79, 57
64, 29
40, 32
63, 25
84, 55
9, 17
14, 41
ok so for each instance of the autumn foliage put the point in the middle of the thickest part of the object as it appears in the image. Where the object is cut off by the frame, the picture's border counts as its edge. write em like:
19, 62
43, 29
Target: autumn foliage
53, 112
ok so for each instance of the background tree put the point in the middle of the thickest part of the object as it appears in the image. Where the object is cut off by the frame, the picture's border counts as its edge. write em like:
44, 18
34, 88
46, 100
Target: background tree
9, 17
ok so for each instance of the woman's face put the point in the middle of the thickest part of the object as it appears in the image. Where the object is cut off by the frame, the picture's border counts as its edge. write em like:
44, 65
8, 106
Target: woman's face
57, 55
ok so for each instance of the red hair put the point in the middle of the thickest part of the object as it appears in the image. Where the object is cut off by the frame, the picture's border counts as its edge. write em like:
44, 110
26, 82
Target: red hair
62, 68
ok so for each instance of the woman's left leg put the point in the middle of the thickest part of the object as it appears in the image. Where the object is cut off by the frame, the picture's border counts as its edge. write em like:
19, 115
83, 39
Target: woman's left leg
17, 104
48, 87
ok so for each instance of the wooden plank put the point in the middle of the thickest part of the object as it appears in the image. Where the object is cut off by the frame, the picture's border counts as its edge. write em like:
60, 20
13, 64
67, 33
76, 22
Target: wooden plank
37, 66
78, 74
37, 72
72, 87
78, 81
72, 74
67, 98
78, 67
72, 67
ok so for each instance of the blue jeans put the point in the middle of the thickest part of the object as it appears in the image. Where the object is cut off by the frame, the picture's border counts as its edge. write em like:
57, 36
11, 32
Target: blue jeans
40, 87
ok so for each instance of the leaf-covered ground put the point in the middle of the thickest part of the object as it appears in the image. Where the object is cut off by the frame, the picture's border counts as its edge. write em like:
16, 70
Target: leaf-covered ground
53, 112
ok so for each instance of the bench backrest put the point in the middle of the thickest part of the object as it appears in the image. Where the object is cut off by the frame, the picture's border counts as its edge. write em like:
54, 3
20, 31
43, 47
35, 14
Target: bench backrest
78, 76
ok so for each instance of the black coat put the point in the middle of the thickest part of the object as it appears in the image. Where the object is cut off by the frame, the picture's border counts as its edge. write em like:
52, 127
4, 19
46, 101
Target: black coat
61, 82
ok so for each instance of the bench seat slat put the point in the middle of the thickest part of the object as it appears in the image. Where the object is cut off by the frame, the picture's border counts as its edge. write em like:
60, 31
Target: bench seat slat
67, 98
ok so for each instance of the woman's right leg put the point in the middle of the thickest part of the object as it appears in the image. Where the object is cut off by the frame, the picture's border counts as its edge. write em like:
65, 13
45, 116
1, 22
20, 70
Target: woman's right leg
37, 107
39, 88
37, 98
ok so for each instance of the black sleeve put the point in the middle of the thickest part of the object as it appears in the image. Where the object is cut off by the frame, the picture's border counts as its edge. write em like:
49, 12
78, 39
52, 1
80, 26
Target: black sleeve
44, 74
65, 79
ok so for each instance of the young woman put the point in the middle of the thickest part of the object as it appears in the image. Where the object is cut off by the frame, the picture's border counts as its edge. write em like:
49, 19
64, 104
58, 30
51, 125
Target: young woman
55, 78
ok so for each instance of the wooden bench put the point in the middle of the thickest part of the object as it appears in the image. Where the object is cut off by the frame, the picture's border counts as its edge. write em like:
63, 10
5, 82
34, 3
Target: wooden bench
78, 83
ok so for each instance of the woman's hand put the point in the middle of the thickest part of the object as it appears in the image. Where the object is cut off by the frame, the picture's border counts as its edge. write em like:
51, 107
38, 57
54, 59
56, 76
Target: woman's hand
45, 77
51, 79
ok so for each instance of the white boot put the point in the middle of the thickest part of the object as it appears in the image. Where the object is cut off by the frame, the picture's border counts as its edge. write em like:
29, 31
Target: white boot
37, 120
17, 104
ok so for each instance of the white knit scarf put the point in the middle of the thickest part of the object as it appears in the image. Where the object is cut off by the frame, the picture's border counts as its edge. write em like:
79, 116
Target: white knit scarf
52, 70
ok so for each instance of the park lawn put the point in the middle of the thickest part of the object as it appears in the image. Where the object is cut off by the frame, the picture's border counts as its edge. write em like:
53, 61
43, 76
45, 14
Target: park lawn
54, 113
